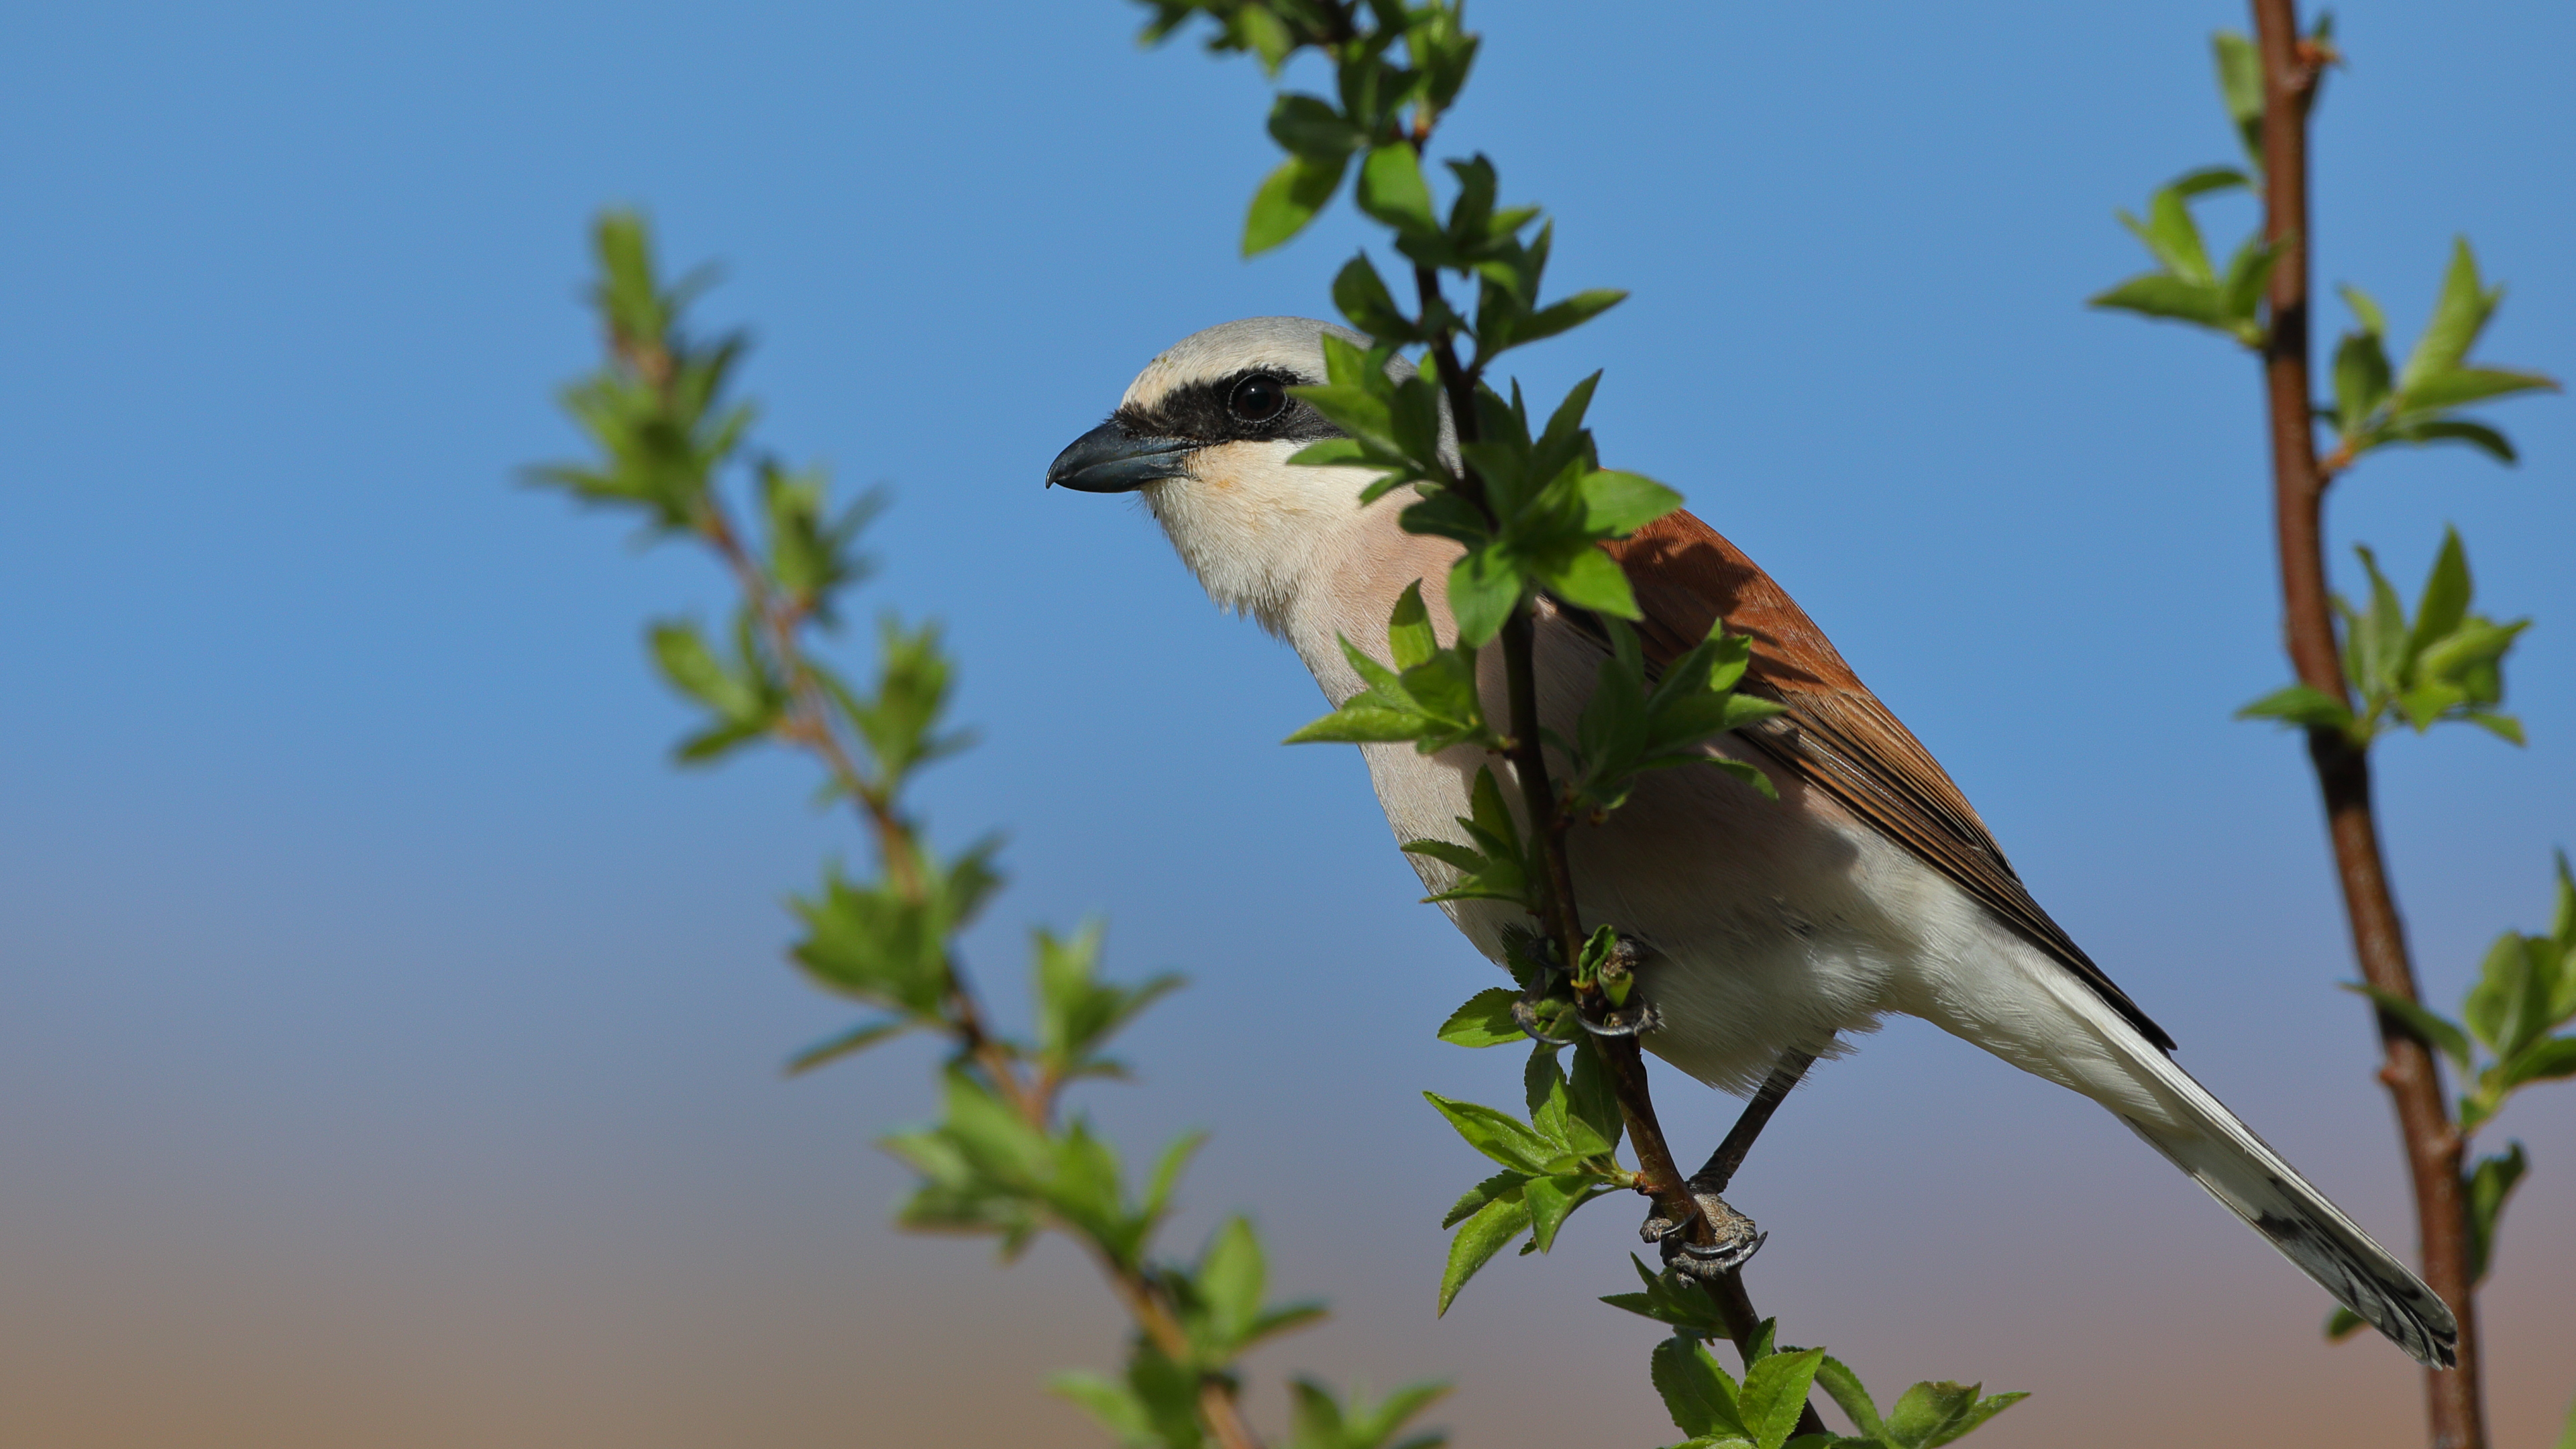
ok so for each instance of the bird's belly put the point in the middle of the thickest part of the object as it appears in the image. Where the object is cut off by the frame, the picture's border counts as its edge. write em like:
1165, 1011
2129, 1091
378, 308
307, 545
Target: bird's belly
1768, 925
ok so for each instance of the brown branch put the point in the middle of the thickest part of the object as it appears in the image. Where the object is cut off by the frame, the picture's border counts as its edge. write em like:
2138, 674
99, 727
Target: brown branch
1659, 1176
2291, 69
807, 725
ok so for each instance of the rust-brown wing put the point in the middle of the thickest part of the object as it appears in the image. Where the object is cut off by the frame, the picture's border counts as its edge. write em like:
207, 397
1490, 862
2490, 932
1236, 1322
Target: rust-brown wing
1836, 736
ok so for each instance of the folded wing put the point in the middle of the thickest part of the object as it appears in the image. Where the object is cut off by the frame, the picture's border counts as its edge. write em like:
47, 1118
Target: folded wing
1835, 736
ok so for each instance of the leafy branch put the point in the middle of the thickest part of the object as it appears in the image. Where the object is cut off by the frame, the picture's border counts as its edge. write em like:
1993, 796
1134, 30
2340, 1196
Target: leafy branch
2508, 1036
2361, 671
1006, 1158
2444, 664
1529, 505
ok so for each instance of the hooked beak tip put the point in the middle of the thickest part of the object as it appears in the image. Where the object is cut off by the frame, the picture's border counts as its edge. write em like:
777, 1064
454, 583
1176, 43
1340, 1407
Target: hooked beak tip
1109, 459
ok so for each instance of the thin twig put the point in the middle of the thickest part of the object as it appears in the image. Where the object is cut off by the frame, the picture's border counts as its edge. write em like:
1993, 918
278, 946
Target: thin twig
1659, 1176
2291, 69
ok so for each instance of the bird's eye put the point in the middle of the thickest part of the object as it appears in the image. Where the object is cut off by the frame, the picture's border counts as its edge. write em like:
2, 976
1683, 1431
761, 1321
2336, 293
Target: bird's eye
1257, 399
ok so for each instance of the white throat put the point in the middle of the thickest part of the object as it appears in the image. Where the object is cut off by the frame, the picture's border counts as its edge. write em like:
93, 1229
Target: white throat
1258, 532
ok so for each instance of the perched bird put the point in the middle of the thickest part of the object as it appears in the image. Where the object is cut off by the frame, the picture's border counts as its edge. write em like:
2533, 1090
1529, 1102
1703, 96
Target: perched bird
1767, 929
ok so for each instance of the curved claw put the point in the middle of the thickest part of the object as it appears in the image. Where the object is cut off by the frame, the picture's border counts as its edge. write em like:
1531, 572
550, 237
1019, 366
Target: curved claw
1527, 1019
1635, 1019
1736, 1238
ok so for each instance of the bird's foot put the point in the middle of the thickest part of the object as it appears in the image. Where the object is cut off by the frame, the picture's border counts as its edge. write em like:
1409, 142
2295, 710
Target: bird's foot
1553, 1017
1734, 1238
1636, 1018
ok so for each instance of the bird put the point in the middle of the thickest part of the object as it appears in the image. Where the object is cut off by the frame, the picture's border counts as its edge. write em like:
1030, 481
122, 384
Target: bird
1766, 929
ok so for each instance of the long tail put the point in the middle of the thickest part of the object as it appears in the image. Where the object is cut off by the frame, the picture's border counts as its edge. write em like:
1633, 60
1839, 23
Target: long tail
2223, 1155
2087, 1046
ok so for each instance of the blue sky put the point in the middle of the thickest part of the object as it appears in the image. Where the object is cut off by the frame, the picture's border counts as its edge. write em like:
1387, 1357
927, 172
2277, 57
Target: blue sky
388, 1036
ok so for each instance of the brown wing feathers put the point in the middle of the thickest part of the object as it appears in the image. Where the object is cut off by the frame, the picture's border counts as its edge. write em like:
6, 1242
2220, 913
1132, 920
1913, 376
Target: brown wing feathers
1836, 736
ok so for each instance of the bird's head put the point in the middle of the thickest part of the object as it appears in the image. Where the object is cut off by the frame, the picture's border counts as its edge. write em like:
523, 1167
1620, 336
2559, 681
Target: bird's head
1204, 436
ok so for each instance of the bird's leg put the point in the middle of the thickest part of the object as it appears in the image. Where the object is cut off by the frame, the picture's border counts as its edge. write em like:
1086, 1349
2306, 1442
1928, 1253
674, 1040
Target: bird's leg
1734, 1238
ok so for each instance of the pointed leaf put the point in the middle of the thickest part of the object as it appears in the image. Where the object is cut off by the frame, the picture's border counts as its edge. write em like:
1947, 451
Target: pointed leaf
1499, 1137
2434, 1031
1485, 1020
1844, 1388
2461, 386
2459, 314
856, 1039
1698, 1393
1501, 1186
2445, 600
1288, 200
1391, 190
2160, 294
1774, 1391
2300, 705
1482, 1236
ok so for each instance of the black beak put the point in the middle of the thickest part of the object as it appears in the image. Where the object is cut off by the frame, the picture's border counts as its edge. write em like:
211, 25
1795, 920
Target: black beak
1109, 459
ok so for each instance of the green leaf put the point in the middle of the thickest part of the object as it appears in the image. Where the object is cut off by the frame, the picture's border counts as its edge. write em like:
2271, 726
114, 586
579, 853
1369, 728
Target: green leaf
1670, 1298
1364, 299
1504, 1185
1592, 1099
1496, 1135
2172, 236
1309, 126
2240, 87
1409, 637
1485, 1020
1483, 1235
1288, 200
2461, 386
1553, 1199
1844, 1388
693, 669
1117, 1409
2459, 315
2547, 1060
2161, 294
1321, 1422
1619, 504
1565, 316
1167, 1173
1976, 1416
2433, 1030
2489, 1184
1076, 1012
1359, 724
2208, 179
2377, 640
2361, 381
2366, 311
2503, 726
2249, 271
1392, 191
2444, 603
1484, 588
2454, 430
1232, 1275
1775, 1390
1698, 1393
2497, 1004
1926, 1413
1591, 579
2299, 704
857, 1039
1543, 1092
